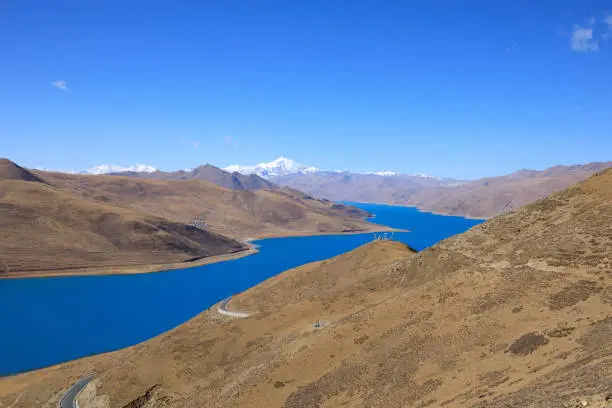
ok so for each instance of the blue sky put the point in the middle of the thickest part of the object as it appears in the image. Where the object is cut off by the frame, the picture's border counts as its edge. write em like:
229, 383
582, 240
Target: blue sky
451, 88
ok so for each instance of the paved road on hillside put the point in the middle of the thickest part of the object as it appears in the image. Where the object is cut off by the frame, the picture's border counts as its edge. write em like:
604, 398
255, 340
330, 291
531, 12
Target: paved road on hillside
69, 398
223, 310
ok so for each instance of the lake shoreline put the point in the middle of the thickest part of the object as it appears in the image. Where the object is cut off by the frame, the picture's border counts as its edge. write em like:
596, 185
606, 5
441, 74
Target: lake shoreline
159, 302
420, 209
144, 268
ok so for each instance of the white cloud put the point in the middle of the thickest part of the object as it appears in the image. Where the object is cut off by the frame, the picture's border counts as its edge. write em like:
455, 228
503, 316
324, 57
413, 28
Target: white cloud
608, 33
61, 84
229, 141
512, 48
582, 40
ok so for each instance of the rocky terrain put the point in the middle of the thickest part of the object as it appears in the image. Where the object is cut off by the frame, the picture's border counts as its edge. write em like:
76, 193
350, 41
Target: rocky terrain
516, 312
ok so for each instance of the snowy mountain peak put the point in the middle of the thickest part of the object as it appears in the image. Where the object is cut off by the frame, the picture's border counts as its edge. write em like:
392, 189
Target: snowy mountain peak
105, 169
423, 175
384, 173
113, 168
282, 166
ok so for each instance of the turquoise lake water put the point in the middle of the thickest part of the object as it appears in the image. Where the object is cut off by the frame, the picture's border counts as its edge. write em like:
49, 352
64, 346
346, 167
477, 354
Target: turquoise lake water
44, 321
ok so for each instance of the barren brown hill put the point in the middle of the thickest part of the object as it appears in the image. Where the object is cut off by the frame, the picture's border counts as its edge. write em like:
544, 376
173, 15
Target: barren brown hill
481, 198
232, 181
516, 312
45, 229
11, 171
490, 196
235, 213
53, 223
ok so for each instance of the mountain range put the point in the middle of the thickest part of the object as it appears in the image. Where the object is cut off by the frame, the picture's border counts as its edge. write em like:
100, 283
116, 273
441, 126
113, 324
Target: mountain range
515, 312
282, 166
482, 198
233, 181
106, 169
59, 223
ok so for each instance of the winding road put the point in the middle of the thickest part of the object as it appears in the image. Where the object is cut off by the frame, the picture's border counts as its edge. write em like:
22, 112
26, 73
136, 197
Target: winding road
69, 398
223, 310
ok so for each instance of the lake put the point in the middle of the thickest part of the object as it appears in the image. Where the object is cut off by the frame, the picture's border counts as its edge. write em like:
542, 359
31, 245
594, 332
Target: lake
45, 321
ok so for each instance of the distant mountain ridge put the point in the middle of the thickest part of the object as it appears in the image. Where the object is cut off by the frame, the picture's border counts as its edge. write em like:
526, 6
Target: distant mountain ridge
105, 169
482, 198
57, 223
282, 166
208, 172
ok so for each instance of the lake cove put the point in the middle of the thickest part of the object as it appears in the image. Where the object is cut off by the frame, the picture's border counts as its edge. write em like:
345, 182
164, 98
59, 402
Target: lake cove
46, 321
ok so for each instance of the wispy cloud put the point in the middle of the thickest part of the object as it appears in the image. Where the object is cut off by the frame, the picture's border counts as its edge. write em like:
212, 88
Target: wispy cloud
189, 142
607, 35
587, 36
61, 84
230, 141
512, 48
582, 40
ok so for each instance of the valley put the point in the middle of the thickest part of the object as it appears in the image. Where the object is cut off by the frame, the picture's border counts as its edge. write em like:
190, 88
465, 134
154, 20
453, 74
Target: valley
481, 198
514, 312
297, 204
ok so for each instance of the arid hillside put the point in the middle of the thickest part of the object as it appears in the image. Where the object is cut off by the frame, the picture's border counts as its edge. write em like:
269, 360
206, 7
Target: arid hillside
481, 198
232, 181
491, 196
235, 213
43, 228
60, 223
516, 312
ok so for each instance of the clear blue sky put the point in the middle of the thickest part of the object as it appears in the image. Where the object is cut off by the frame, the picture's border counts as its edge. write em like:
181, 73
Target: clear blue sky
450, 88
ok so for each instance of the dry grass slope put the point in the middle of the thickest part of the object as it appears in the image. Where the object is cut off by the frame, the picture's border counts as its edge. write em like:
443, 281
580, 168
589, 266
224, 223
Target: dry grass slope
514, 312
235, 213
46, 229
481, 198
53, 223
232, 181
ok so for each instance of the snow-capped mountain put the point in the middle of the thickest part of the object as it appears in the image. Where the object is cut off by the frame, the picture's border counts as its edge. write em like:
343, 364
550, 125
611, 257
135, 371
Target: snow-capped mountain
113, 168
284, 166
279, 167
423, 175
383, 173
59, 171
105, 169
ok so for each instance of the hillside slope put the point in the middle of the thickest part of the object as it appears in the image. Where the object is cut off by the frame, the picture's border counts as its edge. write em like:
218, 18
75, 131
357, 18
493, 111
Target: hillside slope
235, 213
44, 229
481, 198
490, 196
515, 312
232, 181
55, 223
